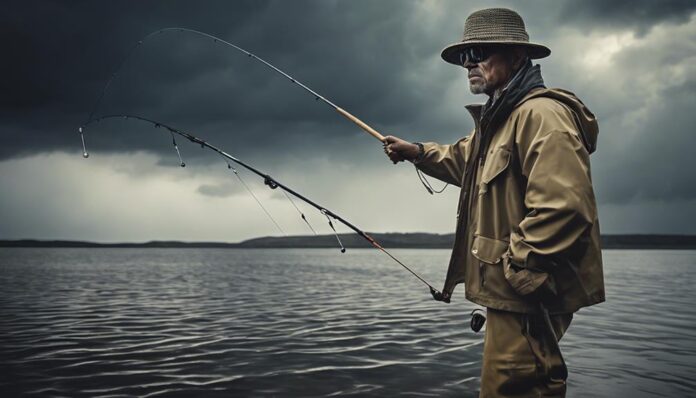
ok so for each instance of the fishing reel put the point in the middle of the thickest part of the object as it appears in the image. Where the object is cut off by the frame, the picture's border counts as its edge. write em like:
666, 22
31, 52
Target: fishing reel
478, 319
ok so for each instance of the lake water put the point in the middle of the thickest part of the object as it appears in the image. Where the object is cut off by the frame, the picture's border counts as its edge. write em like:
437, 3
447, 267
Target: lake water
311, 322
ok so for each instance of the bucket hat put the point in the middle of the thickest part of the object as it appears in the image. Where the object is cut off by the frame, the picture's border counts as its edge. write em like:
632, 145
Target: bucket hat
500, 26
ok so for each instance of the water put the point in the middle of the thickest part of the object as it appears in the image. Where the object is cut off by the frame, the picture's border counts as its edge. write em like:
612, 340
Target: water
151, 322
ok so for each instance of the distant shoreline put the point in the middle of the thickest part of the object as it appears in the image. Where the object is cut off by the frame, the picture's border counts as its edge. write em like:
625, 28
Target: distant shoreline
388, 240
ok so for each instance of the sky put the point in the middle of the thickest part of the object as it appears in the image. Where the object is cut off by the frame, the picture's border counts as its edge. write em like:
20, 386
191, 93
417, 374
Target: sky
633, 63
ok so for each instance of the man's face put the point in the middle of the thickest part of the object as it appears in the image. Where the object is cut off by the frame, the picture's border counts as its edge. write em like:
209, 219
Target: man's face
490, 74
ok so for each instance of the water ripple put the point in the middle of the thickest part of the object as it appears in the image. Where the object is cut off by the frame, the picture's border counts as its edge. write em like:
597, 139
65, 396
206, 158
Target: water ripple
186, 322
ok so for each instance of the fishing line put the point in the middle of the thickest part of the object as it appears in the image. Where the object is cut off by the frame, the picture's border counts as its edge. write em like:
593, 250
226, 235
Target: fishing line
229, 166
299, 211
343, 249
181, 161
273, 184
84, 148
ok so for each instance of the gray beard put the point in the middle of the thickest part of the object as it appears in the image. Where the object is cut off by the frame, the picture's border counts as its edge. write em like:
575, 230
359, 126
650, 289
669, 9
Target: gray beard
479, 88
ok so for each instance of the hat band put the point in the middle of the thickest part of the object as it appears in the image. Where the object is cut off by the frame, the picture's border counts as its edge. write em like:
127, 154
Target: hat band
495, 38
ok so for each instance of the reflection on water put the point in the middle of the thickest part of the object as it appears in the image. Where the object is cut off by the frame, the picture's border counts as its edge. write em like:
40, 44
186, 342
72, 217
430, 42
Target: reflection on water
148, 322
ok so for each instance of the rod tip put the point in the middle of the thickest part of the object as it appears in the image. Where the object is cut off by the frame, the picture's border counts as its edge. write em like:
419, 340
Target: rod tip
85, 155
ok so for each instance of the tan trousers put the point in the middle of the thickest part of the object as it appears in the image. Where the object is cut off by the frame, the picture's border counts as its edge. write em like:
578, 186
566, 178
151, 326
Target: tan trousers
520, 357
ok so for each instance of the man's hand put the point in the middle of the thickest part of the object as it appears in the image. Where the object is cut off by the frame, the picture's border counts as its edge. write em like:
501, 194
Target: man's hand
399, 150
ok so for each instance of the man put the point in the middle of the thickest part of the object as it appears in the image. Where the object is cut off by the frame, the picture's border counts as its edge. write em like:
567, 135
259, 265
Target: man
527, 235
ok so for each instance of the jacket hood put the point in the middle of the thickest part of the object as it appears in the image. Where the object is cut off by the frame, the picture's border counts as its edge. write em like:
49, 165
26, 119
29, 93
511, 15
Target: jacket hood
584, 118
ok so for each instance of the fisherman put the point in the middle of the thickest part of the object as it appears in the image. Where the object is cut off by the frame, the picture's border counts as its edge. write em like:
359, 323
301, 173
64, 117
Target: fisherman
527, 235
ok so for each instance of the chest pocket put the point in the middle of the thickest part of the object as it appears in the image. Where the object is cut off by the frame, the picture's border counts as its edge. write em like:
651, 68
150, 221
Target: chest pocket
496, 163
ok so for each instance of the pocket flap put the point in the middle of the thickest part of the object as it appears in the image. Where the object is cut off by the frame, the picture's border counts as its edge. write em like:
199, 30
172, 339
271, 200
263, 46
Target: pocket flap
495, 164
489, 250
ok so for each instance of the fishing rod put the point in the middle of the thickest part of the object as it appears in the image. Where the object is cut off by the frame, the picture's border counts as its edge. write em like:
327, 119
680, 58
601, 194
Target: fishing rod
270, 182
317, 96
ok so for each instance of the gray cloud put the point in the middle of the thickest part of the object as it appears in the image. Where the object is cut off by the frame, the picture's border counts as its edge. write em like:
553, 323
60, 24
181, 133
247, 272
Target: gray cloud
223, 190
190, 81
379, 60
638, 15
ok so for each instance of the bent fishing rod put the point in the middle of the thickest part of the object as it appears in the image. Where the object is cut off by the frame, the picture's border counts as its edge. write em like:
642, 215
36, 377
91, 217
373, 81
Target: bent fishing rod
269, 181
318, 97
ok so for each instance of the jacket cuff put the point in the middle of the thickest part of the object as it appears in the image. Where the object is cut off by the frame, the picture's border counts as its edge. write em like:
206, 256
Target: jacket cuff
422, 154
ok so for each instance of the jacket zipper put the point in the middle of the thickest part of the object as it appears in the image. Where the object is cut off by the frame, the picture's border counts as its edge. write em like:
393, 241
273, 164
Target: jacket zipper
463, 219
477, 163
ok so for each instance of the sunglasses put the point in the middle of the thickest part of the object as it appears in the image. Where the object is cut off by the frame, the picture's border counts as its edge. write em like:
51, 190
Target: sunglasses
476, 54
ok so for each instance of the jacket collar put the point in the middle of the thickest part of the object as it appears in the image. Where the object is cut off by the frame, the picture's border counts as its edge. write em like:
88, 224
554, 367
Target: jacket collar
494, 112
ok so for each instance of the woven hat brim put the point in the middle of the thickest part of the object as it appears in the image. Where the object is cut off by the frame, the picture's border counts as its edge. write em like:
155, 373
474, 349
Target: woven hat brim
451, 52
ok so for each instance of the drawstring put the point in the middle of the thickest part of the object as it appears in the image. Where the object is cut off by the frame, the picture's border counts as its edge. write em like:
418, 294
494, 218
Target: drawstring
426, 183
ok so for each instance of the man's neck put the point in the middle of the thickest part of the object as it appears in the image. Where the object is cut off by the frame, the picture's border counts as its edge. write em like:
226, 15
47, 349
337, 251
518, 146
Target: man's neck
497, 92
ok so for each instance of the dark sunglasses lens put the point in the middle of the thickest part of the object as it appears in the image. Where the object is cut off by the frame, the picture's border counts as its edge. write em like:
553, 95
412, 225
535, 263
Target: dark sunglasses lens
474, 55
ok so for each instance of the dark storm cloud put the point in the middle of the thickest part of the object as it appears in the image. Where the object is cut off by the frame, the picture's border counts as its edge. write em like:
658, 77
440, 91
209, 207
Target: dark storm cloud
63, 53
655, 160
639, 15
378, 59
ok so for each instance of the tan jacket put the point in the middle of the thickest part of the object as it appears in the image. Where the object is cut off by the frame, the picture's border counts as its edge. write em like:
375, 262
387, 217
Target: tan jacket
532, 206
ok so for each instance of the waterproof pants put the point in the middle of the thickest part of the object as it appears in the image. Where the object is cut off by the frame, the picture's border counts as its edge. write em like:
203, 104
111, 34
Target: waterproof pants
520, 356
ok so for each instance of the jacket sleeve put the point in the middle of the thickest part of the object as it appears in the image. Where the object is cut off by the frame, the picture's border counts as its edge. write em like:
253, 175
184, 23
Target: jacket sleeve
445, 162
559, 195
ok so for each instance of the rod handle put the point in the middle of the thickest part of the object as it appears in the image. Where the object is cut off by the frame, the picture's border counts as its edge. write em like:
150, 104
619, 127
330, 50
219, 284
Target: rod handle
360, 123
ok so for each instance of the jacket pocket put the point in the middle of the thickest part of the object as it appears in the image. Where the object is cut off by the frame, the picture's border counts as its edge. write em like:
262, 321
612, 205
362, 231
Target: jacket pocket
490, 251
496, 163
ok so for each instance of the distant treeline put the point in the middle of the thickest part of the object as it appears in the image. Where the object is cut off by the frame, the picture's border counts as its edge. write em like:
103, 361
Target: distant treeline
389, 240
